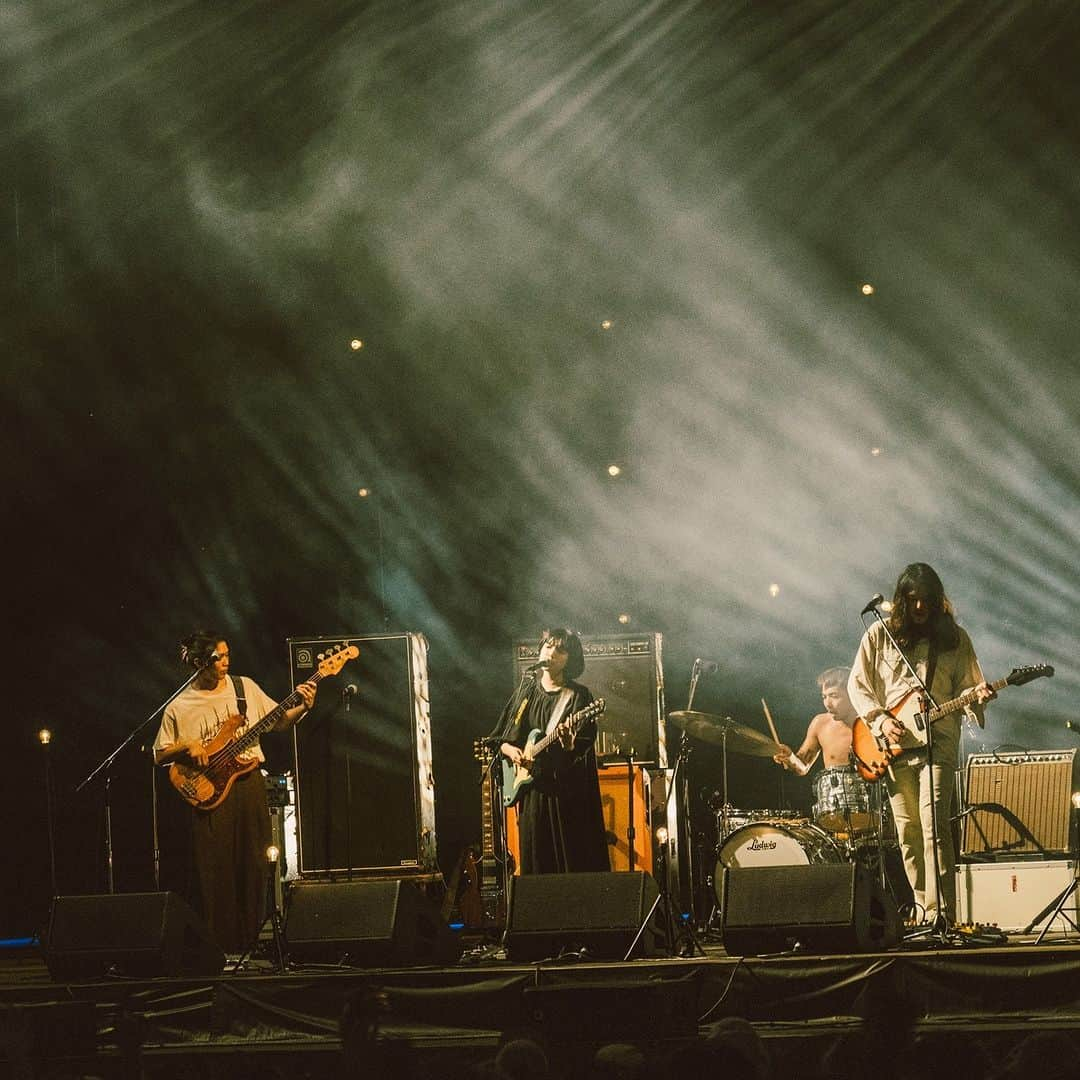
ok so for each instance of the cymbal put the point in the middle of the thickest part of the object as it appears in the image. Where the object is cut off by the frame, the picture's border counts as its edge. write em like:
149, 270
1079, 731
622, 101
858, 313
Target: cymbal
711, 729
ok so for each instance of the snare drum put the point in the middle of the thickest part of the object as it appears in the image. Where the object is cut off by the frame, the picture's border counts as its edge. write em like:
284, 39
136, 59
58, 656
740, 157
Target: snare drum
776, 843
843, 801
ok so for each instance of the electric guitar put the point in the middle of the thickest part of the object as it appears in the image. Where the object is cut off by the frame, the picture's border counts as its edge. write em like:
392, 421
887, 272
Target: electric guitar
873, 754
486, 901
205, 786
518, 777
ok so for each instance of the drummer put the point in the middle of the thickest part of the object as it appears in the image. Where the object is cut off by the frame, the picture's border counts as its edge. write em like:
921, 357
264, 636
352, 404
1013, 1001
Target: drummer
829, 733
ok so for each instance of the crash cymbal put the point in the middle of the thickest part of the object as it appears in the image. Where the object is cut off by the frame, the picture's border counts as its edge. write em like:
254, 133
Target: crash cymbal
710, 728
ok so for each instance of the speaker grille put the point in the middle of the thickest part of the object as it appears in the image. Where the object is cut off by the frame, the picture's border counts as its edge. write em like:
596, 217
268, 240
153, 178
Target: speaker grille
1020, 804
791, 895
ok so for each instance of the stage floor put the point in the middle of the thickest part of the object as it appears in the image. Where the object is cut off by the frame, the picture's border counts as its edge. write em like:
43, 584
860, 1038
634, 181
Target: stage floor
449, 1015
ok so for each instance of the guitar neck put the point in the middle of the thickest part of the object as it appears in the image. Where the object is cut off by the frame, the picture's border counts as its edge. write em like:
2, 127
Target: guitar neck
488, 837
269, 721
947, 708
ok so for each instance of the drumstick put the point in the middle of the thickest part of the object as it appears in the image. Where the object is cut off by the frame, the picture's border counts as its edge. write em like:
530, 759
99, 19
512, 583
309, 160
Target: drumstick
772, 726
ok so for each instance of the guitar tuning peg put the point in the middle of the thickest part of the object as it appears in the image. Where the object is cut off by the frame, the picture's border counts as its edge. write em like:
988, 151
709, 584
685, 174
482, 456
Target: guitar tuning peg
321, 656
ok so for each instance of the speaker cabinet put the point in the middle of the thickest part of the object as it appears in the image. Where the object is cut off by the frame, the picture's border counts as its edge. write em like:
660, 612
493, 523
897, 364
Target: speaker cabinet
826, 909
135, 934
376, 923
595, 911
365, 794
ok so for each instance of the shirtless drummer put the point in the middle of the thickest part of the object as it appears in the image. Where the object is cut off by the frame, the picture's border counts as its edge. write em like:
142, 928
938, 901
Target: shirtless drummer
829, 733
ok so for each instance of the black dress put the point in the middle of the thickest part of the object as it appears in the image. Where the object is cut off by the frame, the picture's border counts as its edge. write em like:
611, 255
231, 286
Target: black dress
560, 818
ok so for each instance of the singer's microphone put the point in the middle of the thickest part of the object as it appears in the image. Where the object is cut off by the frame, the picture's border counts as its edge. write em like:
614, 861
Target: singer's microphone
710, 667
876, 599
536, 667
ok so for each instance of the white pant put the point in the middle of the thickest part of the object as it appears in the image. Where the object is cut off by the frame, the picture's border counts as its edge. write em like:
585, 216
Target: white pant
909, 796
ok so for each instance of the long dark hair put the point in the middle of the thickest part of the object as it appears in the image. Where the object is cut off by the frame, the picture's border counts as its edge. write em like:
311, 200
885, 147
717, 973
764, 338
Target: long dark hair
575, 661
940, 625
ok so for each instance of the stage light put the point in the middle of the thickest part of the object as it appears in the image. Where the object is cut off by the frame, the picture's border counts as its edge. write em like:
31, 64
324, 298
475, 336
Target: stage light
44, 736
607, 324
876, 451
356, 344
774, 590
1076, 800
273, 852
885, 605
363, 492
867, 289
662, 835
613, 470
624, 618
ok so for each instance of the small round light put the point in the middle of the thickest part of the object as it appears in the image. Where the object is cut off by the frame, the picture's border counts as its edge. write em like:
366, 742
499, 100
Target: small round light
774, 590
885, 605
624, 617
356, 344
363, 492
44, 736
867, 289
272, 853
614, 470
661, 835
607, 324
877, 451
1076, 799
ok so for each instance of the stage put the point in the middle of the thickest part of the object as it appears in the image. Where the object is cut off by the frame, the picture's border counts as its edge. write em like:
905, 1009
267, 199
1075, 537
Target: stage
255, 1019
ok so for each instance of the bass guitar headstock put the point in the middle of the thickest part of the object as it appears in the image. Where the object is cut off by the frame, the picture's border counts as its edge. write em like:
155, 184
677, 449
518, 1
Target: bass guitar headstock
330, 663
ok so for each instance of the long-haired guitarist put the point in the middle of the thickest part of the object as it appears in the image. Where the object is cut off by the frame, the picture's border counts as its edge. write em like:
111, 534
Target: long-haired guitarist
229, 841
885, 697
560, 817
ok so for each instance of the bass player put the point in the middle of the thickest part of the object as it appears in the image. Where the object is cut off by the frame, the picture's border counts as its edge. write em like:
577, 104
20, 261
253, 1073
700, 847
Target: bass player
560, 816
228, 842
922, 621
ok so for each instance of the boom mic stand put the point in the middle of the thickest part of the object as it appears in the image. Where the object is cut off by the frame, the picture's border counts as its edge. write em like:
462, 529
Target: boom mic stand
106, 763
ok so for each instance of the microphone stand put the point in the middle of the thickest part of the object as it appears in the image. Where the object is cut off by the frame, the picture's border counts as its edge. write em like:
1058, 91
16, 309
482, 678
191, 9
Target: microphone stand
939, 928
105, 765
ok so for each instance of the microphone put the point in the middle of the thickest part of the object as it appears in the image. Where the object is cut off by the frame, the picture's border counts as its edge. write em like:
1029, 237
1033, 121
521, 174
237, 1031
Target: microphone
536, 667
351, 690
876, 599
710, 667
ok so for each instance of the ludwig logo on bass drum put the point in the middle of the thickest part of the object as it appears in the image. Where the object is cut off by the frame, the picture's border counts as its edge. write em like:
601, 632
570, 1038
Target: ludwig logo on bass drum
761, 845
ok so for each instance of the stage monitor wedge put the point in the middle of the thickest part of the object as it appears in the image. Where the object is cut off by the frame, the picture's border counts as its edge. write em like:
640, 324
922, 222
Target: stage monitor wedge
139, 935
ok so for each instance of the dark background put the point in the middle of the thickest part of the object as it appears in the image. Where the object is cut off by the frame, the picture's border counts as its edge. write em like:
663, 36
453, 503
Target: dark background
203, 204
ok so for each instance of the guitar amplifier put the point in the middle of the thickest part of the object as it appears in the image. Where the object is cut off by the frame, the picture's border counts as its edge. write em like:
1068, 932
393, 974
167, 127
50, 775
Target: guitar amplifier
1019, 803
365, 794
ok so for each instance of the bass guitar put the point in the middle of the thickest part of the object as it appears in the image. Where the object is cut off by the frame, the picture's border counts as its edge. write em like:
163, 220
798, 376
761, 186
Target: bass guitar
874, 754
205, 786
518, 777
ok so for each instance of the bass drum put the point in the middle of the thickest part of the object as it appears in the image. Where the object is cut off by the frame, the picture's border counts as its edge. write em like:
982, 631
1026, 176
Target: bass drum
776, 843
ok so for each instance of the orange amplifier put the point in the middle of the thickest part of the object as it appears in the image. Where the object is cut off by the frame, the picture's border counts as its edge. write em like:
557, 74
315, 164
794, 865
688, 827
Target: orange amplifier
615, 799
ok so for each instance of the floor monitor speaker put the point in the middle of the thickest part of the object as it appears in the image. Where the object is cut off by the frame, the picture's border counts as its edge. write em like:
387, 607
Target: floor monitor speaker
826, 908
598, 912
374, 923
134, 934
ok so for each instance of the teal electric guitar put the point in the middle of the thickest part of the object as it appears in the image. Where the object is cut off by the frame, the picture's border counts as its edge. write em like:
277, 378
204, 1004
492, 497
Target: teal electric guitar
518, 777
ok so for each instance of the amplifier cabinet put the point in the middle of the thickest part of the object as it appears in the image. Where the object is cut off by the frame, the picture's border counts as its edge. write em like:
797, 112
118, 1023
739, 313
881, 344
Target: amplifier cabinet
1011, 894
365, 794
1019, 803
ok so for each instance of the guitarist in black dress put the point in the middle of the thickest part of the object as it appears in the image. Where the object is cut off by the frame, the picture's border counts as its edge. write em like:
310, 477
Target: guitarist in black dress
560, 818
229, 841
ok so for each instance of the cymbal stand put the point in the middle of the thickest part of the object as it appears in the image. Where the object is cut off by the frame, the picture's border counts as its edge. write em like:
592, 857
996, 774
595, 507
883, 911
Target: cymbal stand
1056, 908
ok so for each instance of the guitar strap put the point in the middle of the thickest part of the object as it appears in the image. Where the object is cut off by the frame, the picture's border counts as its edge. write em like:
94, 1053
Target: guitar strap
559, 710
238, 689
931, 664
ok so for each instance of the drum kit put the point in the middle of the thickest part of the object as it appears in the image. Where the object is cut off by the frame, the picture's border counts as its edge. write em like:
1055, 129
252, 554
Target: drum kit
849, 820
